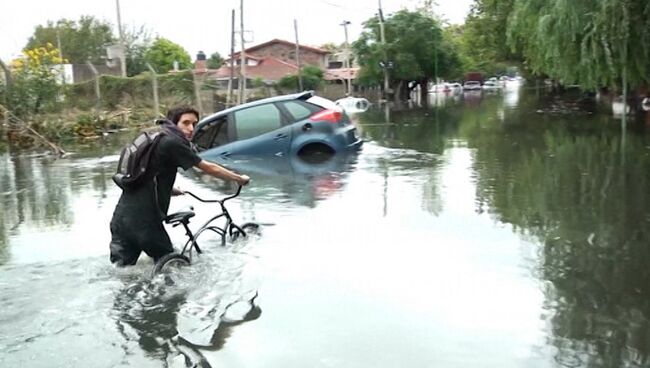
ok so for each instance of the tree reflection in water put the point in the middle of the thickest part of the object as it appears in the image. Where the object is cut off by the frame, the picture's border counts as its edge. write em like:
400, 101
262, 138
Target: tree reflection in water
585, 197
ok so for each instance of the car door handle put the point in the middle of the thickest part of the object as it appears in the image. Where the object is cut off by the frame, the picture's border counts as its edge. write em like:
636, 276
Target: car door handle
280, 136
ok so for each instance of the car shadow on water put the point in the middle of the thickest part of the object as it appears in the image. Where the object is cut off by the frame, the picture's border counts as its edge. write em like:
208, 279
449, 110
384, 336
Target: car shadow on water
303, 179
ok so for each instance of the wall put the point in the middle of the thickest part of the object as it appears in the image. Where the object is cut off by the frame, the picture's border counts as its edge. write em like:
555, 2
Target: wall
287, 54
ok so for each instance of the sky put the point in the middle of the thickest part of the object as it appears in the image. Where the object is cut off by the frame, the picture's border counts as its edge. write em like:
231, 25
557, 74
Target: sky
205, 25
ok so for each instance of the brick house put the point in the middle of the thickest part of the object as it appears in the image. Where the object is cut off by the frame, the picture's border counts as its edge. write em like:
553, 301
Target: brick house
286, 51
272, 60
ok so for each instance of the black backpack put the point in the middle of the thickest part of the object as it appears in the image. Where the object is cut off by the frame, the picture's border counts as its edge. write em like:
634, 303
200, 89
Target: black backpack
134, 160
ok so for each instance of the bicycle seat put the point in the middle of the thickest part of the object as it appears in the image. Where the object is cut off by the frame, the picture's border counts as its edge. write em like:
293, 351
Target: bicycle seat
182, 216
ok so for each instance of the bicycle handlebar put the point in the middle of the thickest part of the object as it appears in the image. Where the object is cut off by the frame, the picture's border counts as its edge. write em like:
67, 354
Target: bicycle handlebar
216, 200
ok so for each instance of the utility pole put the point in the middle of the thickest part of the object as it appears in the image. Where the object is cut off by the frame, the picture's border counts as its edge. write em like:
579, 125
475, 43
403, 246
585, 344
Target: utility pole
123, 46
295, 29
383, 42
58, 45
242, 57
348, 83
232, 61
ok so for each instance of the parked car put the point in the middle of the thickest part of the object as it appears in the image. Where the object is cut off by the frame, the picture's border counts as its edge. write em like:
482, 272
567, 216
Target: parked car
443, 87
456, 86
491, 85
295, 124
471, 85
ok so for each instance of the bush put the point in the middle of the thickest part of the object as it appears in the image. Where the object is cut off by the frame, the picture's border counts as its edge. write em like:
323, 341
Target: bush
134, 91
312, 78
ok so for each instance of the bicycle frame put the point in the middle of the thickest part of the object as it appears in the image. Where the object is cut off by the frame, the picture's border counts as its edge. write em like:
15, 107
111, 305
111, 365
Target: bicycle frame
228, 228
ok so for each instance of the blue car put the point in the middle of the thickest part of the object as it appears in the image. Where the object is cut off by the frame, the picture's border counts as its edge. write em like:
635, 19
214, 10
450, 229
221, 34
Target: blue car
297, 124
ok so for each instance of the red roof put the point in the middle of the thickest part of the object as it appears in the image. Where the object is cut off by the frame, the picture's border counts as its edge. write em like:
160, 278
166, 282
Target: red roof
292, 44
268, 69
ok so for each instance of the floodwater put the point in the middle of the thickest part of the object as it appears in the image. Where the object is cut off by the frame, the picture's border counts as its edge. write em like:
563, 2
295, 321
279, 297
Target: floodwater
508, 229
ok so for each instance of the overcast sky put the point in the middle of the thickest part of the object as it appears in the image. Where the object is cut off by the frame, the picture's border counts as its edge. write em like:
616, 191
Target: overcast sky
205, 25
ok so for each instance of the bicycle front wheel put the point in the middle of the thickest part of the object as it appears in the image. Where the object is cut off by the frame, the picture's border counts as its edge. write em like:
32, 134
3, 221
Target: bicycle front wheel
246, 230
169, 263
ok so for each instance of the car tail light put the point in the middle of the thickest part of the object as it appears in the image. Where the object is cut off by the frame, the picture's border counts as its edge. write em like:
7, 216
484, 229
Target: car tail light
329, 115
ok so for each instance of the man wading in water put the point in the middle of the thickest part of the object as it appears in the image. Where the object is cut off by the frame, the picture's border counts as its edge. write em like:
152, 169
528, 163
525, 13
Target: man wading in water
136, 225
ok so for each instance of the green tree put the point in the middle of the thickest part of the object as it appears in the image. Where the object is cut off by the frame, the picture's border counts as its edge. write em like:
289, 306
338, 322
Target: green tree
484, 46
137, 42
215, 61
415, 50
81, 40
453, 40
35, 86
162, 54
312, 78
594, 43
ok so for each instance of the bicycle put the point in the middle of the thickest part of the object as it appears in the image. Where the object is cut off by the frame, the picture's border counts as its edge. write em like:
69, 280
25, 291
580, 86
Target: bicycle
230, 229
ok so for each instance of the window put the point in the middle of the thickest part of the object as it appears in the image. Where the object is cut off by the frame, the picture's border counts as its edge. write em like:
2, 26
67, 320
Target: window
297, 110
257, 120
211, 135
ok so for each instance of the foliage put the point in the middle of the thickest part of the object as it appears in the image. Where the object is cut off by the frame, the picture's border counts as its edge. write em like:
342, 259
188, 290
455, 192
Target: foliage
594, 43
483, 37
331, 47
452, 37
137, 42
312, 78
134, 91
35, 86
215, 61
258, 82
414, 45
81, 40
162, 54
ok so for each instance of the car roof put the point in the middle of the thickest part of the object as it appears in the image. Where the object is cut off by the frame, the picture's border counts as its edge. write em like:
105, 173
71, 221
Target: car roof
295, 96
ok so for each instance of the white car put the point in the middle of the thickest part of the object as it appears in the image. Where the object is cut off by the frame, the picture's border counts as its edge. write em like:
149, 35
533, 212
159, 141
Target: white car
491, 85
471, 86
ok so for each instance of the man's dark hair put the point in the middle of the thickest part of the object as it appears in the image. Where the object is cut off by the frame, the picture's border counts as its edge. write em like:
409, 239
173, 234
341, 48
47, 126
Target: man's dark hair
174, 115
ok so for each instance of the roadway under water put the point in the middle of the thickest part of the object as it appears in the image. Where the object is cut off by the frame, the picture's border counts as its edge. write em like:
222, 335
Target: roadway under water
489, 230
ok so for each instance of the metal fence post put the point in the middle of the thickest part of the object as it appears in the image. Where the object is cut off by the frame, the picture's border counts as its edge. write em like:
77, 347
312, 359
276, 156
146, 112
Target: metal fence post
197, 92
98, 93
154, 80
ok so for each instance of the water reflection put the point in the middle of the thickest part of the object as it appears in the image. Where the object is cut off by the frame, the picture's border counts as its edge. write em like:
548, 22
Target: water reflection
578, 187
592, 218
41, 195
173, 321
302, 180
487, 223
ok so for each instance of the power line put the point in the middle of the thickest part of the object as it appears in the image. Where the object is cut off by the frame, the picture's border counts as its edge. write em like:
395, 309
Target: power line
345, 7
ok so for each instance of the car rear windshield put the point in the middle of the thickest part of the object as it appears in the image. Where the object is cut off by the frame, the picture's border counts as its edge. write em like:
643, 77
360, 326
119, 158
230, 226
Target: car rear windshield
322, 102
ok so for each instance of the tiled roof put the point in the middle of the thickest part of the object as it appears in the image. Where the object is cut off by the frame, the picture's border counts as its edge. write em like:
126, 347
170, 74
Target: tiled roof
292, 44
268, 69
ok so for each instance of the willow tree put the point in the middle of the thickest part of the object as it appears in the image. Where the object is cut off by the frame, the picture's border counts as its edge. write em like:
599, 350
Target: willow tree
594, 43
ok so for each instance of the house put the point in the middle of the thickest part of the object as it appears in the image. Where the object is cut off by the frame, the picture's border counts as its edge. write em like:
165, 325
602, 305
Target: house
286, 51
271, 61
